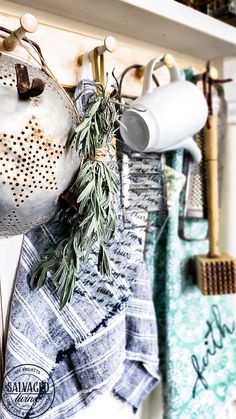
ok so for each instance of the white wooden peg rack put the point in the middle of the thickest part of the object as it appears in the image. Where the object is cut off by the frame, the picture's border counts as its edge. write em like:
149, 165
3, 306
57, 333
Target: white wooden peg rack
64, 41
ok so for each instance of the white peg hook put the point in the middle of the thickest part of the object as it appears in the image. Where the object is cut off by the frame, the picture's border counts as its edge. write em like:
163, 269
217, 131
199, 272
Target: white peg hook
28, 23
110, 45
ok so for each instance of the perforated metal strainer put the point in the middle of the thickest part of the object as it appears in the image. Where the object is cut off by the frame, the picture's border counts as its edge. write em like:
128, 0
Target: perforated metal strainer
35, 165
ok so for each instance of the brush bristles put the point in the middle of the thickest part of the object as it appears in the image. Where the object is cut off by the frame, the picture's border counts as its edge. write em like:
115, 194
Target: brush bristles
216, 275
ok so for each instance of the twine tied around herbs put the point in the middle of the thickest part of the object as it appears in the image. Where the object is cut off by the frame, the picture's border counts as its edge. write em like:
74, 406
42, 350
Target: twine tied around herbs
91, 218
102, 154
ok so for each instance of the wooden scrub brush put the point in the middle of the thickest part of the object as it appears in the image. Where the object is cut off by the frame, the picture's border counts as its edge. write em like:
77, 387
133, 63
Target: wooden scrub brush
216, 273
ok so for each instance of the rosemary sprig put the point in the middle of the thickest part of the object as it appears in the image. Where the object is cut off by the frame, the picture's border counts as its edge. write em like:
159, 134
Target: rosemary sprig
94, 189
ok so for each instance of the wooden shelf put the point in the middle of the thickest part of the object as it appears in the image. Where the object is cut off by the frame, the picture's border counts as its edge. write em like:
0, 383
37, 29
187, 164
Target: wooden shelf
164, 23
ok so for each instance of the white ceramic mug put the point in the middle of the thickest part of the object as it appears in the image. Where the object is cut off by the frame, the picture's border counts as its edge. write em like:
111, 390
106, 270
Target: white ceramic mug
165, 118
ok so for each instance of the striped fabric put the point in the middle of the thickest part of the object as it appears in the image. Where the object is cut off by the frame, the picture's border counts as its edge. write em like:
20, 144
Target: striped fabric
104, 340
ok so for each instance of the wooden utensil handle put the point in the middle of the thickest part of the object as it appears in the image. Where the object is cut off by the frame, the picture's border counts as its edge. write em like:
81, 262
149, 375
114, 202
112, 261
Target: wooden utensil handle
212, 185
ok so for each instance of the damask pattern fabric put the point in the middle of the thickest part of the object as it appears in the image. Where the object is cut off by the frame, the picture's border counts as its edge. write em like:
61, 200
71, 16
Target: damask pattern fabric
197, 333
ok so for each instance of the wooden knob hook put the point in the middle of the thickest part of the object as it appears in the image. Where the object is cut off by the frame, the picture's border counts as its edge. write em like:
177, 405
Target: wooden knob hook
28, 23
110, 45
213, 73
167, 59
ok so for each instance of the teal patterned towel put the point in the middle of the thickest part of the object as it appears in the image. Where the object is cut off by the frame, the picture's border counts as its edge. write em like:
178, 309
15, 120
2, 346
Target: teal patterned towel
197, 334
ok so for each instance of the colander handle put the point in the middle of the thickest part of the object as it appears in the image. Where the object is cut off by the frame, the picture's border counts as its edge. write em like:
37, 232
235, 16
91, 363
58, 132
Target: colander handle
24, 86
28, 23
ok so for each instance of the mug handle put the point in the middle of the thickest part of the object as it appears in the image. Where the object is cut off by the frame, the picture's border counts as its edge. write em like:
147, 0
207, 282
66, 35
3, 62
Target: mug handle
188, 144
157, 62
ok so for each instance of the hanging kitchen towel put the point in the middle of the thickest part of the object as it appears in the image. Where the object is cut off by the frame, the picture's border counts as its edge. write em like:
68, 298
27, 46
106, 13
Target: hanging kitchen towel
197, 333
86, 347
104, 340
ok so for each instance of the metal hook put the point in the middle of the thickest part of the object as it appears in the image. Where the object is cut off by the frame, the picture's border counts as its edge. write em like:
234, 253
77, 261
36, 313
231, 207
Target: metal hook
211, 73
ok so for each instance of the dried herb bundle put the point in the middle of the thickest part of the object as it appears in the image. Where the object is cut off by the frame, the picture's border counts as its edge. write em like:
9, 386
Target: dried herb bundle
94, 190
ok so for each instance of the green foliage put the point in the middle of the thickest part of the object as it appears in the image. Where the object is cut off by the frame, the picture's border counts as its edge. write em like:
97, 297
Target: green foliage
94, 189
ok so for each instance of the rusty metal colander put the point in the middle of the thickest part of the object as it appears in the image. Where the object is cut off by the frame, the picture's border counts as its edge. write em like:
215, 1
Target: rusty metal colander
35, 165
